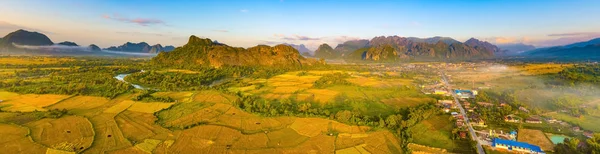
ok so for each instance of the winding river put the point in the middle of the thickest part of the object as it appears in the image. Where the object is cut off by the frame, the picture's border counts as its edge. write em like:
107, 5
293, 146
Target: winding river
121, 77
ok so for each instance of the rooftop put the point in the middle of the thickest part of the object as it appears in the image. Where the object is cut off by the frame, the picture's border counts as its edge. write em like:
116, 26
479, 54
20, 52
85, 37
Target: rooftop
531, 147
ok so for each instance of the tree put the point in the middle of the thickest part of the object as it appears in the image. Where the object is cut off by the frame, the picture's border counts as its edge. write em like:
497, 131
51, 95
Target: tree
594, 143
343, 116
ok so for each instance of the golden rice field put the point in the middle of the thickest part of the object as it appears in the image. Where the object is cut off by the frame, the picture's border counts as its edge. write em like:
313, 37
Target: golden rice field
535, 137
32, 60
69, 133
15, 139
29, 102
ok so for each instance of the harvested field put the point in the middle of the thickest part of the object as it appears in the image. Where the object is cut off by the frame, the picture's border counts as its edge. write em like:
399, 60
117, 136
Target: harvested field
322, 95
70, 133
119, 107
139, 126
15, 139
30, 102
535, 137
148, 107
79, 104
179, 96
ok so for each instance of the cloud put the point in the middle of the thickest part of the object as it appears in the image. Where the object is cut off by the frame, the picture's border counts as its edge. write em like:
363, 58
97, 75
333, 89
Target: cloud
139, 21
6, 27
575, 34
295, 37
244, 10
345, 38
507, 40
415, 23
220, 30
141, 33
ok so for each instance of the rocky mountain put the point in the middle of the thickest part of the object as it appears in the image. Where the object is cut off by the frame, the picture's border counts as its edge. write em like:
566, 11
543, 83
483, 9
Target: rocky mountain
23, 37
141, 47
93, 47
326, 52
205, 52
350, 46
67, 43
513, 49
482, 46
433, 40
588, 50
301, 48
415, 48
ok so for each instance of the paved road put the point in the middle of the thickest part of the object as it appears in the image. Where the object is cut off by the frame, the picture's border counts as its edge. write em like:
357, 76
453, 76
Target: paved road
462, 111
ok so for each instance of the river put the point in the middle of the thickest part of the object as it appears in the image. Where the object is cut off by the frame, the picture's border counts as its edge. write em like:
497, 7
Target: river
121, 77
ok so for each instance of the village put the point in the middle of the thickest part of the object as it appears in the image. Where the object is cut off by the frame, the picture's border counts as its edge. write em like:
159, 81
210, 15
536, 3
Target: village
511, 128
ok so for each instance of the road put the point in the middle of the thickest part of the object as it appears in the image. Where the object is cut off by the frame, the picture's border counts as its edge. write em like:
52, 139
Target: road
462, 111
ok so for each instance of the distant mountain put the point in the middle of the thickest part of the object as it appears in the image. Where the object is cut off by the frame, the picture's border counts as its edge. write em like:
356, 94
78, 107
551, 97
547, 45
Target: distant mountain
513, 49
482, 45
394, 48
168, 48
433, 40
326, 52
141, 47
23, 37
67, 43
583, 44
301, 48
93, 47
205, 52
350, 46
588, 50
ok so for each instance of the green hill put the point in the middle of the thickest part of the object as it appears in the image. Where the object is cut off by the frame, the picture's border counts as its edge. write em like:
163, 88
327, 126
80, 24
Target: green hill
205, 52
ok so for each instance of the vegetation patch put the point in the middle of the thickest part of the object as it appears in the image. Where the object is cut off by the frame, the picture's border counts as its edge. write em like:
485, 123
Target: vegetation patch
535, 137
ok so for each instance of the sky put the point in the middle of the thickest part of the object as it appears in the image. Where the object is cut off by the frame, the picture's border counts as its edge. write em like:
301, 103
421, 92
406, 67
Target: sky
247, 23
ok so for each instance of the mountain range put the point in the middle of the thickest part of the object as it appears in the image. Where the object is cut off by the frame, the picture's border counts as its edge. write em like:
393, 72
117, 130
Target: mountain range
301, 48
394, 48
588, 50
514, 49
204, 52
26, 42
141, 47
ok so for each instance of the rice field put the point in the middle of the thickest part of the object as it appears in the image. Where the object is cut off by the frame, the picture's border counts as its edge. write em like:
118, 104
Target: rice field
16, 139
28, 102
70, 133
535, 137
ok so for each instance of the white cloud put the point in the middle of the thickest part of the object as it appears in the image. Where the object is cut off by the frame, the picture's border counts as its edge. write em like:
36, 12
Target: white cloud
244, 10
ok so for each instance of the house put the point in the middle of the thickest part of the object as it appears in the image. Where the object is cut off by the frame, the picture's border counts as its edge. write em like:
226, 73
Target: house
519, 147
454, 114
446, 110
588, 134
511, 118
576, 129
485, 104
464, 93
475, 121
523, 109
533, 120
440, 92
552, 120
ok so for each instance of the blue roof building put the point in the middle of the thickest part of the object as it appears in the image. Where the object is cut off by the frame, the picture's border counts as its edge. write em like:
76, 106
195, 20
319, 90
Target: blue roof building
516, 146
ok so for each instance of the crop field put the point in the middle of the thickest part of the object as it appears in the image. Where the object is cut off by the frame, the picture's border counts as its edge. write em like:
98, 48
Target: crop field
535, 137
70, 133
28, 102
378, 82
148, 107
80, 104
32, 60
15, 139
179, 96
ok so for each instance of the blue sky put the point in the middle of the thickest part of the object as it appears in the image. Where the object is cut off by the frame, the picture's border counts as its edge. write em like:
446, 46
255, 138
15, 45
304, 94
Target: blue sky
312, 22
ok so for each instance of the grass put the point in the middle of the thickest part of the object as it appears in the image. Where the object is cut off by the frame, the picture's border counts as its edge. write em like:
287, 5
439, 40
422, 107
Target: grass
437, 132
32, 60
588, 122
535, 137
